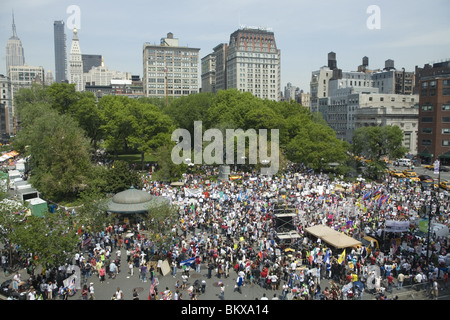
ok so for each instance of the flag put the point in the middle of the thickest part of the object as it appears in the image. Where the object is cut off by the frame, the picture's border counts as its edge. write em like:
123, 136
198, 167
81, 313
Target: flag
187, 262
367, 195
377, 192
327, 256
342, 257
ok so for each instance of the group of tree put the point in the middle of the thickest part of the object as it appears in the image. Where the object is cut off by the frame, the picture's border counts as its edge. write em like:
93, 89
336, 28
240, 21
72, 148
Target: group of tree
62, 128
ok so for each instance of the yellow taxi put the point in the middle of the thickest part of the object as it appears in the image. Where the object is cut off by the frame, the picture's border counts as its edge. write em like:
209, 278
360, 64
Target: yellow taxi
444, 184
410, 174
397, 174
429, 166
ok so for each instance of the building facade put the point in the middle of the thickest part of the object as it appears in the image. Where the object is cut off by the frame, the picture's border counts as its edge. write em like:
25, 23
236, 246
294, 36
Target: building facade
209, 73
6, 108
76, 63
60, 43
388, 110
319, 86
14, 50
24, 76
90, 61
220, 53
253, 63
102, 76
170, 69
434, 113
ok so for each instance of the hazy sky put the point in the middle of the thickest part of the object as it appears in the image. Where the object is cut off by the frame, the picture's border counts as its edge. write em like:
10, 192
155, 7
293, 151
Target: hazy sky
410, 32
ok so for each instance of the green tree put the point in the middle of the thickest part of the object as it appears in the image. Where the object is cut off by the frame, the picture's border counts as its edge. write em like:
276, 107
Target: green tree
117, 119
51, 240
92, 213
374, 143
151, 129
166, 169
121, 177
160, 221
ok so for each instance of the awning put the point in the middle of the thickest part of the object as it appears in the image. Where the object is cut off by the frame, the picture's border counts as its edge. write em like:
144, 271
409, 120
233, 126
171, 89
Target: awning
425, 153
334, 238
445, 155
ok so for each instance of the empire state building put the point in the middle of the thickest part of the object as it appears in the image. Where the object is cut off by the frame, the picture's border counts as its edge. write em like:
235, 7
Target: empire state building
14, 50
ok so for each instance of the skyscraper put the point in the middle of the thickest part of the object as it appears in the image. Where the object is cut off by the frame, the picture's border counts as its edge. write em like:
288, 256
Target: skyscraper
60, 51
170, 69
14, 49
76, 63
253, 63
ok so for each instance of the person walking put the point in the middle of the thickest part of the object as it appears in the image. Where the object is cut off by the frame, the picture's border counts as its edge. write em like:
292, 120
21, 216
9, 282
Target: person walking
91, 291
119, 294
143, 273
102, 273
84, 292
435, 290
222, 291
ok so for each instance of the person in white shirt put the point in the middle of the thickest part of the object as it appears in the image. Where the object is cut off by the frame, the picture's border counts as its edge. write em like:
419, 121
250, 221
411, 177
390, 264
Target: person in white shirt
119, 294
16, 281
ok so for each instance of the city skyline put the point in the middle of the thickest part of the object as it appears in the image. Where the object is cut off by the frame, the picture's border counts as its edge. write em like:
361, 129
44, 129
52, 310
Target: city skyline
410, 32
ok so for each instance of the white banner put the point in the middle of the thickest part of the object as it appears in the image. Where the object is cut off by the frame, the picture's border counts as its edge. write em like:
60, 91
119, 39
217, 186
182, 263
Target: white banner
192, 192
396, 226
436, 167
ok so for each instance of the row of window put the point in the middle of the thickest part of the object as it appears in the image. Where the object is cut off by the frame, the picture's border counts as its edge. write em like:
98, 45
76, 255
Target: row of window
430, 130
427, 142
429, 107
430, 119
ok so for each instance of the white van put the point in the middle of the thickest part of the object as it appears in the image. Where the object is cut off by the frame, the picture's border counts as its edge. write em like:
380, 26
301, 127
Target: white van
404, 162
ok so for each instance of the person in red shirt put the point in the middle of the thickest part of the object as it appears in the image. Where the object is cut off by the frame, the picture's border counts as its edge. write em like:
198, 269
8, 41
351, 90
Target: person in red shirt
390, 280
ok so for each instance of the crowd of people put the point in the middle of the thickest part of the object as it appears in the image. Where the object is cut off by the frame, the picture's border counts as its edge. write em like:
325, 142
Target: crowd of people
231, 226
230, 229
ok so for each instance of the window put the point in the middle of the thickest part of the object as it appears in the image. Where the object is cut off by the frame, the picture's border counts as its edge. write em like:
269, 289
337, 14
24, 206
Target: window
445, 119
427, 119
426, 142
427, 130
424, 85
427, 107
445, 131
446, 91
446, 107
433, 84
445, 143
446, 82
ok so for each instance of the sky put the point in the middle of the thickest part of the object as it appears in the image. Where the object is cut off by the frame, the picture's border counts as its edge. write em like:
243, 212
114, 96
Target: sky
410, 32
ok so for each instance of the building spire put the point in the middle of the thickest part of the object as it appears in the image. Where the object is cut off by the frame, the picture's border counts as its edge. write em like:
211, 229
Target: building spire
14, 33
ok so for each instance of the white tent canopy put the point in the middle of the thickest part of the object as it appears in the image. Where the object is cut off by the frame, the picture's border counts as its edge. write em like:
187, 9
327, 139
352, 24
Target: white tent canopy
334, 238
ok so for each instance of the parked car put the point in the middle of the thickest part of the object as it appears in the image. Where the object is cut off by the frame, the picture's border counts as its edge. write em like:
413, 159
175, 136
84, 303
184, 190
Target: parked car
411, 174
424, 177
397, 174
444, 184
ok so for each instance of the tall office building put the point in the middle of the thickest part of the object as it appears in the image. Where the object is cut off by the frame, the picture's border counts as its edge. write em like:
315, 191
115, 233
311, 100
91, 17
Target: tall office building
209, 73
60, 51
434, 113
90, 61
220, 54
170, 69
253, 63
76, 63
6, 108
14, 50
